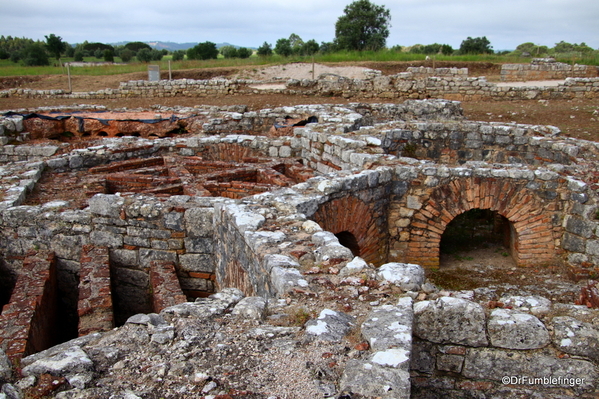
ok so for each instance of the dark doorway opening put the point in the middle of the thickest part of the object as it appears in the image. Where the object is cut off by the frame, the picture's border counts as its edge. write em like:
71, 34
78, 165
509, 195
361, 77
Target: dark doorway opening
67, 278
348, 240
130, 293
477, 229
7, 283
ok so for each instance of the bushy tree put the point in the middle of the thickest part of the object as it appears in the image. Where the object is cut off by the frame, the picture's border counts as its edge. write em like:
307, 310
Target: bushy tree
531, 49
265, 50
565, 47
283, 47
136, 46
310, 47
99, 53
35, 55
55, 45
477, 45
364, 26
203, 51
144, 55
229, 52
296, 43
108, 55
126, 55
243, 52
446, 49
70, 51
327, 47
178, 55
93, 47
156, 55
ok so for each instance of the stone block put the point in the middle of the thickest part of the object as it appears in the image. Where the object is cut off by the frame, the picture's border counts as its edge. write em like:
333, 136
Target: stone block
450, 320
514, 330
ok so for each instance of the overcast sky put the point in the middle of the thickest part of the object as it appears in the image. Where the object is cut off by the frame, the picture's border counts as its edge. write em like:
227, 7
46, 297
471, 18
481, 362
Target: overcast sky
506, 23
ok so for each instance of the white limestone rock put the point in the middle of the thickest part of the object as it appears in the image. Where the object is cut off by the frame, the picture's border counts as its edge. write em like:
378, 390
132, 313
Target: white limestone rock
576, 337
72, 360
355, 266
330, 326
450, 320
407, 276
534, 304
251, 307
514, 330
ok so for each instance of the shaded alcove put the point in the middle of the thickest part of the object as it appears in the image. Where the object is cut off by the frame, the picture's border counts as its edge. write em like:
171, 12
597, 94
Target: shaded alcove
348, 240
477, 229
131, 293
7, 283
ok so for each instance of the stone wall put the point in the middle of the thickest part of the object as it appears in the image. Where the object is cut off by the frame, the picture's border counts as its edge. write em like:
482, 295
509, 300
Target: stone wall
545, 69
414, 85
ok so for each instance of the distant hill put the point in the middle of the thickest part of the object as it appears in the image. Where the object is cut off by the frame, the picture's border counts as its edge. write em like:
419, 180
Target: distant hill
171, 46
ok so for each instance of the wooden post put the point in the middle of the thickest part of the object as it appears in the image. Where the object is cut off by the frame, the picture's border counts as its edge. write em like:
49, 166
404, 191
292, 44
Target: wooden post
312, 67
69, 77
170, 75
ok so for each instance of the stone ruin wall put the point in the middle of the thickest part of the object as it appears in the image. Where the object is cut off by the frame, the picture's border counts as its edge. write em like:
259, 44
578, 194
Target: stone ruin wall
545, 69
417, 83
257, 244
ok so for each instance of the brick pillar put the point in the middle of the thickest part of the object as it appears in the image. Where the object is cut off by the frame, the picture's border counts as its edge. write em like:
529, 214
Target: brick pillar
165, 285
95, 296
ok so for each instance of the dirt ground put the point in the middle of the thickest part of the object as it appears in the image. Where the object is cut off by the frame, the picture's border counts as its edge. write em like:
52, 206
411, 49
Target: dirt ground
480, 266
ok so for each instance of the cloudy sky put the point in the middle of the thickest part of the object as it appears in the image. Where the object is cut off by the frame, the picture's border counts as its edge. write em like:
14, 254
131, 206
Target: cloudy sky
506, 23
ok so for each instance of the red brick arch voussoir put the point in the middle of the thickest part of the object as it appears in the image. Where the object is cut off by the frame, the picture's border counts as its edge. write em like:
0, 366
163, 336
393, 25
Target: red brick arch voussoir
533, 244
355, 216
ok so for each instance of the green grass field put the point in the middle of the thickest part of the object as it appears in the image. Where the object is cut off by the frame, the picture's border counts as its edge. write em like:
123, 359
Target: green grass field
8, 68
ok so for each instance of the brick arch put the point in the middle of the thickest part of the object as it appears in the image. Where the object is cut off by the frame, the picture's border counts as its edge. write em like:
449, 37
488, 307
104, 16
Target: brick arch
533, 241
350, 214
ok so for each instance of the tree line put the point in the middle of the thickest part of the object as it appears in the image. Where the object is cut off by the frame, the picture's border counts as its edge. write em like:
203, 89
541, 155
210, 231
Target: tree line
364, 26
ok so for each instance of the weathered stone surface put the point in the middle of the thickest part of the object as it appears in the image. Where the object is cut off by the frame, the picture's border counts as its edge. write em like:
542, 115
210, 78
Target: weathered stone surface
5, 367
495, 364
333, 252
355, 266
534, 304
576, 337
329, 326
450, 320
284, 279
408, 277
252, 308
199, 222
390, 326
514, 330
72, 360
373, 380
206, 307
106, 205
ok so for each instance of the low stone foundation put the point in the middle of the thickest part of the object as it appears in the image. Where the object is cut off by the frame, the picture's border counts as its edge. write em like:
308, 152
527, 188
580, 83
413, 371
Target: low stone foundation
419, 84
545, 69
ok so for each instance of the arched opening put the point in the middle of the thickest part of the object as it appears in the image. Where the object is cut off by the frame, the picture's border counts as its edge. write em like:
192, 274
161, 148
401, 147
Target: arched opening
474, 231
348, 240
102, 134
